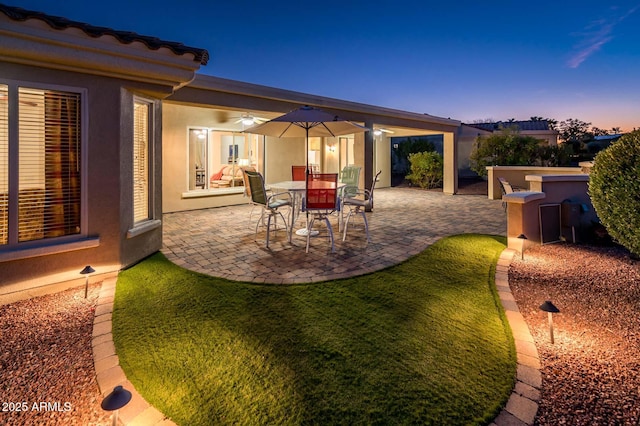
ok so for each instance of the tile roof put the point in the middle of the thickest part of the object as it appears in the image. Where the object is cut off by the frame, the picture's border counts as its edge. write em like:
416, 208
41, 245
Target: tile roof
522, 125
124, 37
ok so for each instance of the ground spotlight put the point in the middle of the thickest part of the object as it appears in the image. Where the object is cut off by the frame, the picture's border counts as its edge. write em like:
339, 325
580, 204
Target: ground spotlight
88, 270
551, 309
117, 399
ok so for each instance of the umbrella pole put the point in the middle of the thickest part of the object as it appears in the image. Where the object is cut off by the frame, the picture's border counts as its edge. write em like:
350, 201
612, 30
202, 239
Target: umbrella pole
306, 177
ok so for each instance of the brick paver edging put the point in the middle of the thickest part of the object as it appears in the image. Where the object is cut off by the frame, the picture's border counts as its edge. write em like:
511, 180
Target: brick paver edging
521, 408
109, 374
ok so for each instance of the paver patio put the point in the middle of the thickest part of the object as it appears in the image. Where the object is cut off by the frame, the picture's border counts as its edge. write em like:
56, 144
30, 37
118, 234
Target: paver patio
220, 241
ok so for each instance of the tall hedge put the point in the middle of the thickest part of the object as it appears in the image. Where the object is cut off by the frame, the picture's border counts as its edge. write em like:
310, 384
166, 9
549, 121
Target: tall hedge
614, 188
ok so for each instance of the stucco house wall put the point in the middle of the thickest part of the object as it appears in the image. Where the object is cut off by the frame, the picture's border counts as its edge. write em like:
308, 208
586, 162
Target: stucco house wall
40, 51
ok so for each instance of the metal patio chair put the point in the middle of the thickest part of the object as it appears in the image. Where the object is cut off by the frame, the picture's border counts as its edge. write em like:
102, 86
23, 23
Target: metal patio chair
358, 204
321, 197
507, 188
270, 203
350, 176
298, 173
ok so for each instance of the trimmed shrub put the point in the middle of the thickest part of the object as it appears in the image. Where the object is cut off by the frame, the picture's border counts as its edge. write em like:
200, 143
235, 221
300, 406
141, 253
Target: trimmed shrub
507, 148
614, 188
426, 169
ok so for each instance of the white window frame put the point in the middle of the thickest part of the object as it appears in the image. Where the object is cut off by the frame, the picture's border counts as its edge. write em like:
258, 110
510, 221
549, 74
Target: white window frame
259, 158
14, 249
150, 222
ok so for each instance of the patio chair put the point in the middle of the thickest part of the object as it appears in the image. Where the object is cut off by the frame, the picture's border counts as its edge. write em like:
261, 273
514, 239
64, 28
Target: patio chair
350, 176
270, 203
298, 173
247, 189
507, 188
358, 204
320, 201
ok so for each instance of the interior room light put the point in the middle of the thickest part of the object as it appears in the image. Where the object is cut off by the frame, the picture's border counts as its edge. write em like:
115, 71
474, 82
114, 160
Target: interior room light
247, 121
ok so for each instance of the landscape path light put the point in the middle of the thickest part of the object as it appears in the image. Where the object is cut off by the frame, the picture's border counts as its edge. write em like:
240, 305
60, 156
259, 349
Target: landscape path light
117, 399
551, 309
88, 270
523, 238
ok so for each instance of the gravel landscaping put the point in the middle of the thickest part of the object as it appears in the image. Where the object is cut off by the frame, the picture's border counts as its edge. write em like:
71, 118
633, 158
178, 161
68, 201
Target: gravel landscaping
46, 363
590, 375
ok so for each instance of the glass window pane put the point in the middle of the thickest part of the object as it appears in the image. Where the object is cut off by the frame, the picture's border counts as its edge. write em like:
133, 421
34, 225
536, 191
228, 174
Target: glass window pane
198, 158
49, 164
141, 161
4, 163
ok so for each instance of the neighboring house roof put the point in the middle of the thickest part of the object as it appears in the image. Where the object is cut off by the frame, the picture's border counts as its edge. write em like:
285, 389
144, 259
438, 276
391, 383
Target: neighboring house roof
125, 37
528, 125
607, 137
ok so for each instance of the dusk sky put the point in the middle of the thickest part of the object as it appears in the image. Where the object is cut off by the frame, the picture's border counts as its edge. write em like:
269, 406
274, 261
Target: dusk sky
464, 60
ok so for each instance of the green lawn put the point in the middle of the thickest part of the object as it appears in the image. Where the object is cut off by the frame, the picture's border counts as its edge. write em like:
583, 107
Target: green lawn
423, 342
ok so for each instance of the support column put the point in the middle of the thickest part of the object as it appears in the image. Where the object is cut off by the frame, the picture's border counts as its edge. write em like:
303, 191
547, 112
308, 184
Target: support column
450, 172
368, 156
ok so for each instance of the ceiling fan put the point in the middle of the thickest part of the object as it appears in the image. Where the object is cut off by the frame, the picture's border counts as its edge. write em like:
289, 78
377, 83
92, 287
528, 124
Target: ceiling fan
246, 119
379, 131
250, 119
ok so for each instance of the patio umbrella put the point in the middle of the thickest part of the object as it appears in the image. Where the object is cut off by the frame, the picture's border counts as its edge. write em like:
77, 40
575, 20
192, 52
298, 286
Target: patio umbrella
304, 122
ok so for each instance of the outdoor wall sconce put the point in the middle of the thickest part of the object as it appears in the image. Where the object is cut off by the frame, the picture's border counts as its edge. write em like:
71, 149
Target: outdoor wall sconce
88, 270
117, 399
331, 148
551, 309
523, 238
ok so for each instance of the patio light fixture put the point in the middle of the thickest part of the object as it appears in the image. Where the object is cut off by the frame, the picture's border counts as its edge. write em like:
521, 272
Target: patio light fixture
88, 270
523, 238
247, 120
551, 309
117, 399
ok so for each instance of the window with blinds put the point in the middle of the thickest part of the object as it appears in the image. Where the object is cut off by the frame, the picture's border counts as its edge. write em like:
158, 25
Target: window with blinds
141, 141
44, 179
4, 163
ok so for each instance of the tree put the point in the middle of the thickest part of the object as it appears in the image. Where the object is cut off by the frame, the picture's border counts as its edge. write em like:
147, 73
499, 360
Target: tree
553, 156
614, 188
553, 123
599, 132
506, 148
574, 131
